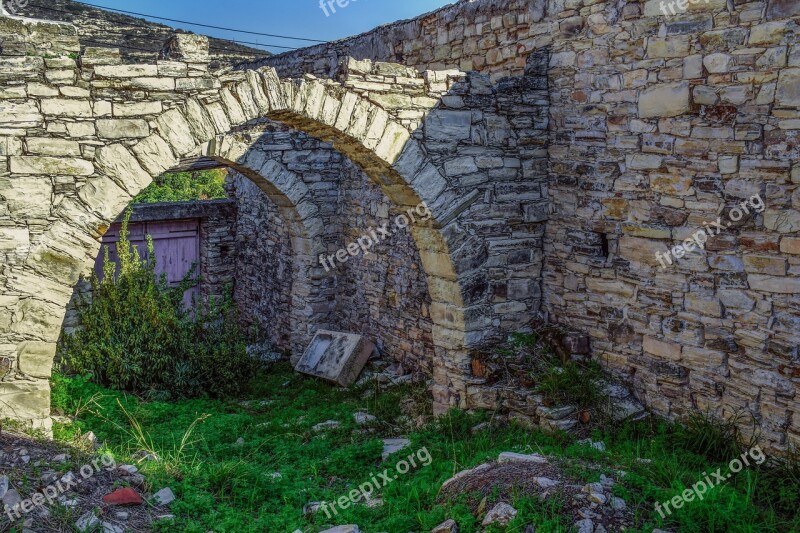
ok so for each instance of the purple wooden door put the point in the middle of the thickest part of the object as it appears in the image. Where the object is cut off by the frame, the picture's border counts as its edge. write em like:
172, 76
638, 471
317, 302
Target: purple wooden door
176, 244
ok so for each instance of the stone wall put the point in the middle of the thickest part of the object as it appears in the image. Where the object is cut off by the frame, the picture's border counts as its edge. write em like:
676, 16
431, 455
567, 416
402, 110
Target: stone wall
622, 128
263, 289
659, 124
382, 295
489, 36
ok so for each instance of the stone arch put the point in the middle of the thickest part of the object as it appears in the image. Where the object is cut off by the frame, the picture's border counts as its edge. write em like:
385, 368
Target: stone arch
197, 121
385, 149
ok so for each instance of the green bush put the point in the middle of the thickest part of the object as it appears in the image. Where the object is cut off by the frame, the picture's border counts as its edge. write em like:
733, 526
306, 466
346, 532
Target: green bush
137, 335
185, 186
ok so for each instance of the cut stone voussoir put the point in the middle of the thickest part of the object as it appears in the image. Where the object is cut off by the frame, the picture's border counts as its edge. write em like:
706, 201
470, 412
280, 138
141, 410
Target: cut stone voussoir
335, 356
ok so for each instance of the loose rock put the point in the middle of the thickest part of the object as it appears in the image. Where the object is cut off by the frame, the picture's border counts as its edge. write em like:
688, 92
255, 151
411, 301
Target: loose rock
500, 514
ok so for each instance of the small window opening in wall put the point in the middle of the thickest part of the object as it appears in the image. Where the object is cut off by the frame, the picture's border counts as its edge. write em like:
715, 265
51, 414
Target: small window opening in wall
604, 245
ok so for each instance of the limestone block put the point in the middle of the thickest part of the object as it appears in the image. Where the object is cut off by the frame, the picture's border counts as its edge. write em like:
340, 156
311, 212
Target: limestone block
28, 197
176, 131
258, 91
14, 240
197, 84
446, 125
25, 400
233, 108
200, 123
335, 356
38, 319
53, 147
641, 250
122, 128
186, 47
51, 166
20, 115
393, 143
782, 220
80, 129
155, 155
125, 71
718, 63
788, 92
610, 287
774, 284
672, 46
121, 166
664, 100
104, 197
36, 358
93, 56
220, 120
63, 107
781, 9
135, 109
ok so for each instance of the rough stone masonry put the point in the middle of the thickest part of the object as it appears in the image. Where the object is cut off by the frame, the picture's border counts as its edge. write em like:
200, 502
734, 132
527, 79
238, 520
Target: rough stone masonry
559, 144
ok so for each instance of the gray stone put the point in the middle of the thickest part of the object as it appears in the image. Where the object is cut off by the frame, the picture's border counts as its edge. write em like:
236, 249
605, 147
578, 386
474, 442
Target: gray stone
336, 356
391, 446
665, 100
448, 526
352, 528
87, 522
164, 497
501, 514
512, 457
122, 128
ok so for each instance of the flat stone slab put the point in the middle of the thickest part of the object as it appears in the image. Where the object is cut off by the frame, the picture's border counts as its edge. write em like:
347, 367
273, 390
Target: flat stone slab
391, 446
335, 356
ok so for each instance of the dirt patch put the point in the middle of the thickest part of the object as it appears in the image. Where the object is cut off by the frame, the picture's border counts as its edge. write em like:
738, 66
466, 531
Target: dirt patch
52, 488
497, 482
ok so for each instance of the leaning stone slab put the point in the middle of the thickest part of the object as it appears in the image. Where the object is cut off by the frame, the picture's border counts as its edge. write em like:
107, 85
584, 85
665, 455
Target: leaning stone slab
336, 356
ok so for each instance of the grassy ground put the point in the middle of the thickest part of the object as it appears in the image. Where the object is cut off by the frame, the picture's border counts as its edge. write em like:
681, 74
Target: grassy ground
227, 486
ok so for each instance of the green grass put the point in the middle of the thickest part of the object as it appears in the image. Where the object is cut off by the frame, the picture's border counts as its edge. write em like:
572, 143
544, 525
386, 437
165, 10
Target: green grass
225, 487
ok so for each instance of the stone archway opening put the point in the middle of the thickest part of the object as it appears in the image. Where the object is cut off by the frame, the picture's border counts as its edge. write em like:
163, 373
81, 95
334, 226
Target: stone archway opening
136, 121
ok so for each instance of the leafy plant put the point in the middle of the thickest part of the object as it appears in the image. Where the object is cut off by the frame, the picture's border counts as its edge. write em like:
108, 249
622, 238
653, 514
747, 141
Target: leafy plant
185, 186
136, 334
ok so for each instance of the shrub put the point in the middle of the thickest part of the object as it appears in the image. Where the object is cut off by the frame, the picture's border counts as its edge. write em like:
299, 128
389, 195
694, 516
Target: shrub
135, 333
185, 186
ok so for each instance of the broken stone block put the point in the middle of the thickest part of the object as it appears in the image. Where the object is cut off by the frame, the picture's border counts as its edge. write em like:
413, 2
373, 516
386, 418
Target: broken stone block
335, 356
186, 47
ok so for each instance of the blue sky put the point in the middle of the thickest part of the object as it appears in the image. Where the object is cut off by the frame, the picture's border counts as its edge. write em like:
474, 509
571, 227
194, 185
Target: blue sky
299, 18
